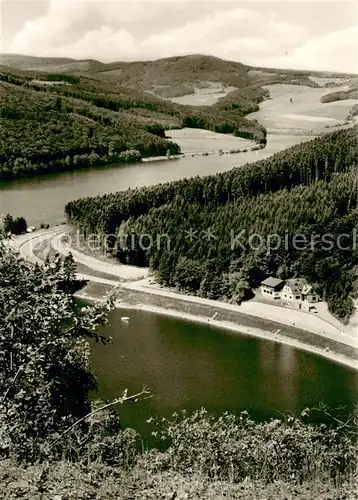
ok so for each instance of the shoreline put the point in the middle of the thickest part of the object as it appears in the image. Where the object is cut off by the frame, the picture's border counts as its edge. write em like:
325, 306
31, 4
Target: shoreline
136, 295
230, 326
256, 147
243, 330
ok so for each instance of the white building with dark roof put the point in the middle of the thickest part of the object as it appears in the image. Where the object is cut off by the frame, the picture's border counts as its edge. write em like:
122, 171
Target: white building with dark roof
272, 287
295, 292
298, 290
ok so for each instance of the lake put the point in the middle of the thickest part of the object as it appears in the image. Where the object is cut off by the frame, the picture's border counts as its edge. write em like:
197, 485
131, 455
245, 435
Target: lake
43, 198
189, 365
186, 365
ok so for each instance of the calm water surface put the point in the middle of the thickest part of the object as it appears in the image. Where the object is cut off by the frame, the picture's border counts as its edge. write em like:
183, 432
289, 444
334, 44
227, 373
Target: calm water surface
188, 365
43, 198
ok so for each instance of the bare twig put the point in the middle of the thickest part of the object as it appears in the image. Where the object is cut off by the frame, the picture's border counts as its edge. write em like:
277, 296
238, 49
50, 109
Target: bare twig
17, 374
116, 401
12, 383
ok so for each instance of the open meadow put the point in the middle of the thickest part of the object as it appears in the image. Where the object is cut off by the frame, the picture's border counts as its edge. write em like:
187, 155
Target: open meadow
305, 112
204, 96
198, 140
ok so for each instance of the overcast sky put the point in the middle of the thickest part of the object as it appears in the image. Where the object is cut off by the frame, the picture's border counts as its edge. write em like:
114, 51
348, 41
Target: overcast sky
313, 35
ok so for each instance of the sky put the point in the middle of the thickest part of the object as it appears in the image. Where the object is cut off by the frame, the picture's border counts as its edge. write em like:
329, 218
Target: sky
317, 35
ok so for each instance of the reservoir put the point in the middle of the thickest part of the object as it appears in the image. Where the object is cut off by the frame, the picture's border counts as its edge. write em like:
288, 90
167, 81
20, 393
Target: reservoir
188, 366
43, 198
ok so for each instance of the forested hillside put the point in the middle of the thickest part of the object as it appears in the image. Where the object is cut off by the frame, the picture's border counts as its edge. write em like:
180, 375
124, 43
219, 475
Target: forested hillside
44, 132
53, 122
341, 95
308, 189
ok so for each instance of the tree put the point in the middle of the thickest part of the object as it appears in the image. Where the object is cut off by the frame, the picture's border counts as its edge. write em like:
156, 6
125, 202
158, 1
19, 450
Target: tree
19, 226
242, 292
67, 274
44, 358
8, 223
188, 274
14, 226
58, 104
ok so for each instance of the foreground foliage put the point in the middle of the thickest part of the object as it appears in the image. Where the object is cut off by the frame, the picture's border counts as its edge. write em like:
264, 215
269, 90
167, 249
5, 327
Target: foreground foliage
70, 481
204, 457
44, 358
55, 441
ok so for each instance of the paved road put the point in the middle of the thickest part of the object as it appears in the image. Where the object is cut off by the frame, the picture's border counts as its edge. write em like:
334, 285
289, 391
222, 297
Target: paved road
134, 278
56, 239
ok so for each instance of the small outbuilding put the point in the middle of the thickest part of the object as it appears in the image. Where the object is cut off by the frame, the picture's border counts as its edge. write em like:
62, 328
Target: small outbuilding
272, 287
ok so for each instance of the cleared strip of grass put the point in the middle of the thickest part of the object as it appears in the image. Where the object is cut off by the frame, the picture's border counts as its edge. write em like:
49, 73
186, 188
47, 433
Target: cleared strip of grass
42, 251
94, 291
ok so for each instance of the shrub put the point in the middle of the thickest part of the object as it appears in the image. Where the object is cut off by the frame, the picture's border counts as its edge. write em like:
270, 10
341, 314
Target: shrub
232, 448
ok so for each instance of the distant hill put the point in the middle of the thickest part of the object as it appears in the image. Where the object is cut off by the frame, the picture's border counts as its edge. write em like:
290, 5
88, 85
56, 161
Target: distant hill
48, 64
53, 121
239, 86
169, 77
186, 70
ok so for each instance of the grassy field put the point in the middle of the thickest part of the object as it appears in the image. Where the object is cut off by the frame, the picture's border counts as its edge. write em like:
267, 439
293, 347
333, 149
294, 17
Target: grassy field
304, 112
205, 96
198, 140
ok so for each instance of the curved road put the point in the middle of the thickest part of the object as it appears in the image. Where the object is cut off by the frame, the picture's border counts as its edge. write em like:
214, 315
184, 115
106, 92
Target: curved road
56, 239
60, 244
134, 278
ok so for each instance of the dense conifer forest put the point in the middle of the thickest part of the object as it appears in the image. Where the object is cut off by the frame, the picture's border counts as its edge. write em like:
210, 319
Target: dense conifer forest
309, 189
